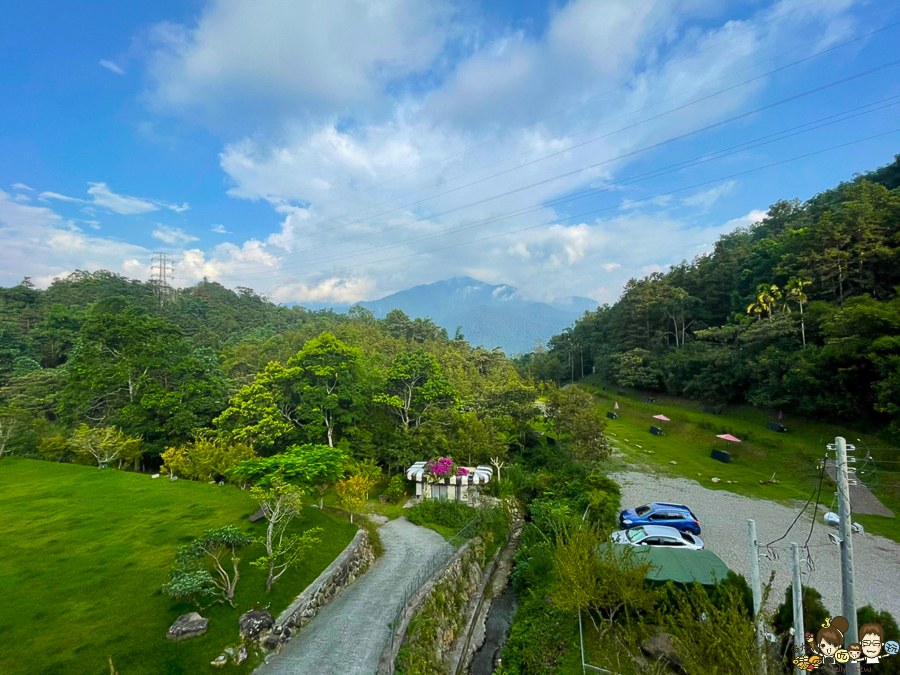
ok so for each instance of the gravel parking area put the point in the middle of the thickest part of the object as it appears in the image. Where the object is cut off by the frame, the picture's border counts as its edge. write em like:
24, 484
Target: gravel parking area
723, 519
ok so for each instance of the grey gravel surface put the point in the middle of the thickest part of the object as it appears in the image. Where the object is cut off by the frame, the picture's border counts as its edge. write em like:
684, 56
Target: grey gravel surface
349, 635
723, 519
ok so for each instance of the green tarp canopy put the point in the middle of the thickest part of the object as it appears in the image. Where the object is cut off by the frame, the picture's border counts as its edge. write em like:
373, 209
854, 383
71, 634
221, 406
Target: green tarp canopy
683, 566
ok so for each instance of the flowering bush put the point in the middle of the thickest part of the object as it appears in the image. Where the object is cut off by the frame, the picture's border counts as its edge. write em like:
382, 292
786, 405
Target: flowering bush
443, 467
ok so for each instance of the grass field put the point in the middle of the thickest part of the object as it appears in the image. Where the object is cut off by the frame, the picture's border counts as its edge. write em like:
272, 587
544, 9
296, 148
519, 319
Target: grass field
791, 457
84, 553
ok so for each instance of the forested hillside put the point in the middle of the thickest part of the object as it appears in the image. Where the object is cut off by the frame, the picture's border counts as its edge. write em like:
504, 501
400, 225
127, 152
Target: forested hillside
99, 354
797, 312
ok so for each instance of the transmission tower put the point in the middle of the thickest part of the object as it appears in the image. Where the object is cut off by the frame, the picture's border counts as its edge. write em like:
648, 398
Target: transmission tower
161, 274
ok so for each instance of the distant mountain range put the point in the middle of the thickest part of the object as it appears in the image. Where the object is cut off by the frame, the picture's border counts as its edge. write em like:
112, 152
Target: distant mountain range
490, 316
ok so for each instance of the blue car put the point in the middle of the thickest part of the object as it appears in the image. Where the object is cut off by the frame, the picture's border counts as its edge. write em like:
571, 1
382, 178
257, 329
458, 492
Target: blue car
678, 516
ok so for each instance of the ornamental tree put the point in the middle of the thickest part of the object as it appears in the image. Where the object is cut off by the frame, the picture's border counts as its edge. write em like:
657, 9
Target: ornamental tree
308, 466
205, 459
200, 568
281, 503
352, 493
104, 444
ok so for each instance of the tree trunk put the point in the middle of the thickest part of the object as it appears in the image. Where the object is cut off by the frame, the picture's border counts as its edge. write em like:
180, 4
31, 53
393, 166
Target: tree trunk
271, 579
802, 325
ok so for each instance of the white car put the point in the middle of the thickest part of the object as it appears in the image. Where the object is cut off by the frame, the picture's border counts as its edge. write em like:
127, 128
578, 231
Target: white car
658, 535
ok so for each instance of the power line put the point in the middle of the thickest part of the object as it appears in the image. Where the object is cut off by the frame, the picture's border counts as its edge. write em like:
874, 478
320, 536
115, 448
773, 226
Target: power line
636, 201
630, 82
791, 527
557, 140
719, 154
816, 509
606, 135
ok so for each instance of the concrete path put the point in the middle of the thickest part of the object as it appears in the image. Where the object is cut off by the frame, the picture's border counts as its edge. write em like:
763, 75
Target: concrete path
861, 498
349, 635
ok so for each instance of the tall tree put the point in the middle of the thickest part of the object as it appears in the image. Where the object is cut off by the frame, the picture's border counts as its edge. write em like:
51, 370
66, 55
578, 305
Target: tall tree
415, 386
328, 384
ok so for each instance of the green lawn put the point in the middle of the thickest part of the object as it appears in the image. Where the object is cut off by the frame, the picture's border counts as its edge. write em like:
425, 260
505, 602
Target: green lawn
691, 436
84, 553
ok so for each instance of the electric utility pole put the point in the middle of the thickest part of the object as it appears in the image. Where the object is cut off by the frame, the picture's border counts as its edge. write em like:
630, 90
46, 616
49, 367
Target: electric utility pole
797, 591
755, 584
848, 593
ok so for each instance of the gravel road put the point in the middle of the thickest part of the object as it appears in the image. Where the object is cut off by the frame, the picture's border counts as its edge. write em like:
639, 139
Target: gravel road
349, 635
723, 519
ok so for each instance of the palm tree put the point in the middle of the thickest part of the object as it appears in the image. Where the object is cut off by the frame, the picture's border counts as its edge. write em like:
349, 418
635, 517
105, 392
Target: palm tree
767, 296
795, 292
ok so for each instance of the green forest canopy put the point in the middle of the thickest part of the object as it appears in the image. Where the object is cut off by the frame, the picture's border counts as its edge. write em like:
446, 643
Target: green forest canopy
799, 311
100, 350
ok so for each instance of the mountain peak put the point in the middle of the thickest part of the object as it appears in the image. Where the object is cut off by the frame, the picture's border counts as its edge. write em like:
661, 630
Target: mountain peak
491, 315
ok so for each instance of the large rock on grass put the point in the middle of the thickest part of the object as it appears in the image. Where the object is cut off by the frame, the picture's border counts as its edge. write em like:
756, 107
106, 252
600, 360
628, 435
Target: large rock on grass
254, 622
187, 626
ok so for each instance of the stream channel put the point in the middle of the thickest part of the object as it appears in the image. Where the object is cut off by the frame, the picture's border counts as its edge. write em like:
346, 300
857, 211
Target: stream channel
499, 619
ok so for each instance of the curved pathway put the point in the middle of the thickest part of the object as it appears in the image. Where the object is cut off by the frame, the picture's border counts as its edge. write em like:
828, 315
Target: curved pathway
349, 635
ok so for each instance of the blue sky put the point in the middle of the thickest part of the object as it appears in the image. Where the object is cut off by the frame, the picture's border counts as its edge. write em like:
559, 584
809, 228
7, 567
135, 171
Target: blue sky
321, 152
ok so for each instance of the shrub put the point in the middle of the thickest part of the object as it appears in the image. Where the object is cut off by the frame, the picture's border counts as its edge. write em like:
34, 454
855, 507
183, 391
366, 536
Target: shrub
445, 513
605, 498
540, 637
396, 489
712, 637
533, 561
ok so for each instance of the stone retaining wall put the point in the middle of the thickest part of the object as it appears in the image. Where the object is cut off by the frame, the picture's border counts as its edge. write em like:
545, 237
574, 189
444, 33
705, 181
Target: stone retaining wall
343, 571
444, 597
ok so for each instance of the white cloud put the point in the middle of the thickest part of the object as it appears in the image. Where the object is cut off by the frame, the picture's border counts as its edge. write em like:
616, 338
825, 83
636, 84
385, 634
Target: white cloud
109, 65
327, 57
331, 289
363, 192
339, 111
22, 198
123, 204
220, 263
628, 204
46, 196
103, 196
172, 235
706, 198
39, 243
219, 229
750, 218
22, 186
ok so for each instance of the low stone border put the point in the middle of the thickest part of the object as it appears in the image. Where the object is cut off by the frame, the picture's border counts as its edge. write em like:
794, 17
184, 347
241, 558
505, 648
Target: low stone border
351, 564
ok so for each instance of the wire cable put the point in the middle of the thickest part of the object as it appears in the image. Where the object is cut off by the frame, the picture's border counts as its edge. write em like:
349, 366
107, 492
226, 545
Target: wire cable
637, 201
603, 136
696, 161
680, 94
805, 506
816, 509
630, 82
